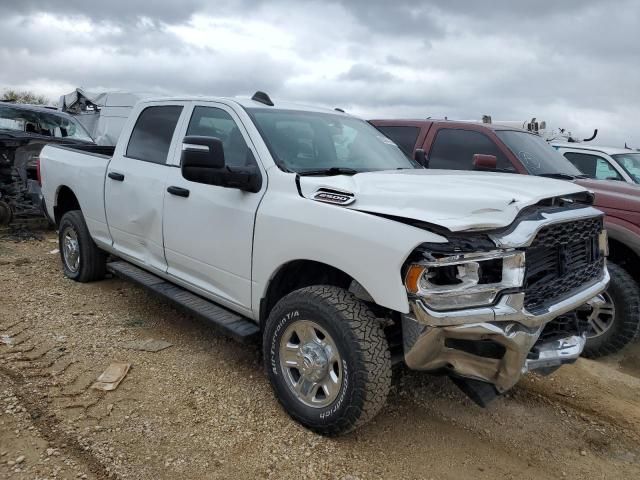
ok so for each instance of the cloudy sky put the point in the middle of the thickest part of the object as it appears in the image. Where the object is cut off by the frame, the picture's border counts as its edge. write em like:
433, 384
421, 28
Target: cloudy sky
574, 63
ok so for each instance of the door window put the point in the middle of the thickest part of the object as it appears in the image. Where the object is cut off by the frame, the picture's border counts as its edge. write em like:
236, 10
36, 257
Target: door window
152, 134
215, 122
593, 165
404, 137
454, 149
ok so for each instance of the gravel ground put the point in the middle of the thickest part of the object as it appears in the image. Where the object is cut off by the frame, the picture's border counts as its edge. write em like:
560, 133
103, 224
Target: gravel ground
203, 408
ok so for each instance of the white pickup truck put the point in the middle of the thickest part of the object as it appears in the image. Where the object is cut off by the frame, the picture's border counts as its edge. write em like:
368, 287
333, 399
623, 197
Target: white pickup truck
308, 228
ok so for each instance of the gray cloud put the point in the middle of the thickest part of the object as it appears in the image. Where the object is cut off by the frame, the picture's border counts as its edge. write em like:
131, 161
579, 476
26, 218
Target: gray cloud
574, 63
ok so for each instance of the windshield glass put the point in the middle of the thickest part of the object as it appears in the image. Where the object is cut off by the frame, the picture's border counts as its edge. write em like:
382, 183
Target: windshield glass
631, 163
42, 123
311, 141
537, 156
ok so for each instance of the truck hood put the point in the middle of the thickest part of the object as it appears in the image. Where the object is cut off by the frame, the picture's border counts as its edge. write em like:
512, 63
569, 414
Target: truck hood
455, 200
614, 194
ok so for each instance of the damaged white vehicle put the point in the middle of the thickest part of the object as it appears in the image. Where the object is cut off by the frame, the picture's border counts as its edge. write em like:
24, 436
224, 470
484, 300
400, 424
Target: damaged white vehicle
308, 229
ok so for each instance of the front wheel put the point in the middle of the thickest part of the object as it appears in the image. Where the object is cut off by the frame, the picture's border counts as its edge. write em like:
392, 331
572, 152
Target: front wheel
327, 358
82, 260
614, 320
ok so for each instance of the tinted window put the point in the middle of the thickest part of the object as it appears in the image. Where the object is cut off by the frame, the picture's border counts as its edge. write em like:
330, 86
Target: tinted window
42, 123
214, 122
405, 137
152, 134
454, 150
593, 166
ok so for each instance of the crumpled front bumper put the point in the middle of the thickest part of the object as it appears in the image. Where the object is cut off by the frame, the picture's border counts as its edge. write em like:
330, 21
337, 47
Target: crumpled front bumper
456, 340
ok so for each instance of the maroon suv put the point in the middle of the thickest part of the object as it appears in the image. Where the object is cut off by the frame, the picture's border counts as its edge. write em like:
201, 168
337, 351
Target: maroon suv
615, 315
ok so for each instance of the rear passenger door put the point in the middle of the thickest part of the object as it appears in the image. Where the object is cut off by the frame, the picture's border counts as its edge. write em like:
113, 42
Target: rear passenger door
135, 184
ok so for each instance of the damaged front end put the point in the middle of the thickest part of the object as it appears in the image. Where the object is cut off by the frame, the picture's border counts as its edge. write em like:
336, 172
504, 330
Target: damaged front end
489, 310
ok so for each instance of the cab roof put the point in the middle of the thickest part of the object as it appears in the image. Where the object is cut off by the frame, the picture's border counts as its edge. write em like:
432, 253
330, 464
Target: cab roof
594, 148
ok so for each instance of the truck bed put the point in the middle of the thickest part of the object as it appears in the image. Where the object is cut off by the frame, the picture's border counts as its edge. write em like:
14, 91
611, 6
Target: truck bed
82, 169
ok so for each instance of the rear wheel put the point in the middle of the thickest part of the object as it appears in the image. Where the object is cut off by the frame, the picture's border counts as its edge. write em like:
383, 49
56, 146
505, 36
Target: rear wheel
614, 320
82, 260
327, 359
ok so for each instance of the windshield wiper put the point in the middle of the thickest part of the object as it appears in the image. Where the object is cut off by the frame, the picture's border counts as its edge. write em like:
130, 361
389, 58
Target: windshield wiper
329, 171
560, 176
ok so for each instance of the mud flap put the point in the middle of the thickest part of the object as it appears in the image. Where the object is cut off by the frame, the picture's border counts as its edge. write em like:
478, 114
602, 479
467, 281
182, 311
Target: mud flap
482, 393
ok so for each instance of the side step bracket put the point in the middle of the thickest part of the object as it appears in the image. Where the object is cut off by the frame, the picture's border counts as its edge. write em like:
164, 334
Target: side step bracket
227, 322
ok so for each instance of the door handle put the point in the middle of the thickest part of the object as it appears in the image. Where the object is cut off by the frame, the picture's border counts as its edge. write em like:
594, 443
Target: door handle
116, 176
179, 191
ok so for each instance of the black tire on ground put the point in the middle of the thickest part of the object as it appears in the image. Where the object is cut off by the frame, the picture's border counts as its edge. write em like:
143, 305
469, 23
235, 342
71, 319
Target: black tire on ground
362, 347
92, 262
625, 296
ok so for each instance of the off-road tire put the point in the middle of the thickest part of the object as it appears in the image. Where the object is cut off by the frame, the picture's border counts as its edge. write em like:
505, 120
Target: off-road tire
93, 261
363, 348
625, 294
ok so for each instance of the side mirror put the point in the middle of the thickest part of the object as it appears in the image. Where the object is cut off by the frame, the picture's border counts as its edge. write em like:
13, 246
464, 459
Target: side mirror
202, 161
484, 162
421, 157
199, 156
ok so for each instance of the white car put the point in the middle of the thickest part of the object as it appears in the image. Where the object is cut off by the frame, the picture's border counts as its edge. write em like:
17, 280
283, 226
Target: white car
603, 163
309, 229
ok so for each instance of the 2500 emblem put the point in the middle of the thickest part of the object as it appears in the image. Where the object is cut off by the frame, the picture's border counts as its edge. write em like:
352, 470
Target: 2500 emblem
334, 197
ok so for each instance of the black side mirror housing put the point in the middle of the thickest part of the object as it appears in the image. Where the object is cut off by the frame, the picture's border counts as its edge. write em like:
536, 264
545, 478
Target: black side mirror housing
421, 157
202, 161
200, 153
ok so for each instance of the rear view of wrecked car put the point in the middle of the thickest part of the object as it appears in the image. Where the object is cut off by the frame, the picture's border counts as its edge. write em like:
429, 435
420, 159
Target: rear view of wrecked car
24, 131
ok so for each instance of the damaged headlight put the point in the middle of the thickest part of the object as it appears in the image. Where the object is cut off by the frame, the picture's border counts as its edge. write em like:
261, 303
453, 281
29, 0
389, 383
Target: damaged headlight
465, 280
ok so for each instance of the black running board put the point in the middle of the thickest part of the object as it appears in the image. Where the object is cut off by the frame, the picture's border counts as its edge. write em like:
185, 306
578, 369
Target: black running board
227, 322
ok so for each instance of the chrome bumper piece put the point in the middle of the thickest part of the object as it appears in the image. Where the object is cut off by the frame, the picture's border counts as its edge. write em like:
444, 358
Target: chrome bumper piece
454, 340
425, 335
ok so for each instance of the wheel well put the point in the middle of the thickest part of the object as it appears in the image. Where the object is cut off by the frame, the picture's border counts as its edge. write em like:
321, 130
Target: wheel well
299, 274
624, 256
65, 202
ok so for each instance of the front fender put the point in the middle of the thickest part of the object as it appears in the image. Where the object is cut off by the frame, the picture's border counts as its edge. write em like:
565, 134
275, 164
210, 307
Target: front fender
369, 248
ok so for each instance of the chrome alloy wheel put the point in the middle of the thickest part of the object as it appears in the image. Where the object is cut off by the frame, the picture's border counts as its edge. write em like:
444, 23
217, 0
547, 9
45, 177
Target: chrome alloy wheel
71, 249
310, 363
602, 316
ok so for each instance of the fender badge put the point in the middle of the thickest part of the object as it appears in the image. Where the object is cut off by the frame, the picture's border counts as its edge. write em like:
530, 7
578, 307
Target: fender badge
337, 198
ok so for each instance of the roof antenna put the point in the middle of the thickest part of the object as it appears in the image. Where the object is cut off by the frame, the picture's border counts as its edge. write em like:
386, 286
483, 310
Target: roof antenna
262, 97
339, 110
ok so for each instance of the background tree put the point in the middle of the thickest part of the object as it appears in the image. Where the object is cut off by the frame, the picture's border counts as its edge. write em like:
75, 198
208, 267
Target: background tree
24, 96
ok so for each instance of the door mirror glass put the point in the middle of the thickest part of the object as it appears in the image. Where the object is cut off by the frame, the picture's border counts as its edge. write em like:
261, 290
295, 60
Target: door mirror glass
484, 162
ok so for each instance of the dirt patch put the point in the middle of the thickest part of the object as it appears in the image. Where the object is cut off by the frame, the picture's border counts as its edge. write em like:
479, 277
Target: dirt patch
204, 409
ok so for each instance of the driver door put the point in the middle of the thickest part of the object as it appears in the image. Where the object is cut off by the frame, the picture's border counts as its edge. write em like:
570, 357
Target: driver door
208, 229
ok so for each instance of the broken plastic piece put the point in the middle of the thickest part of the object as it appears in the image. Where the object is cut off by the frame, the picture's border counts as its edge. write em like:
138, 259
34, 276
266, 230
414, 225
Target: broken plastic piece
112, 376
148, 345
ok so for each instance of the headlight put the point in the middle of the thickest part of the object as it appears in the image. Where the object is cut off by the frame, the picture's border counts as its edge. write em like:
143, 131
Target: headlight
465, 280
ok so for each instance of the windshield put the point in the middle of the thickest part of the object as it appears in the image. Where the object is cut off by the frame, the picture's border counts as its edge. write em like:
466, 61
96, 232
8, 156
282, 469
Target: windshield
42, 123
537, 156
631, 163
310, 142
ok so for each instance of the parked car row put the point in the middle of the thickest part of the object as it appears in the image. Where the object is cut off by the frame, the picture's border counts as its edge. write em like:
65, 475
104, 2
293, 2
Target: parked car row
333, 244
